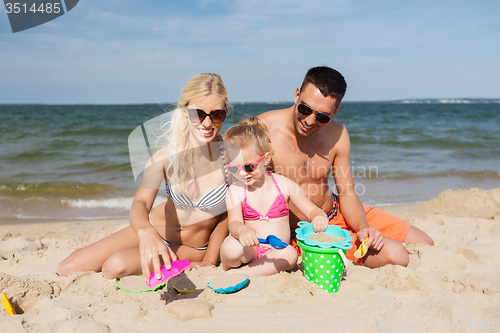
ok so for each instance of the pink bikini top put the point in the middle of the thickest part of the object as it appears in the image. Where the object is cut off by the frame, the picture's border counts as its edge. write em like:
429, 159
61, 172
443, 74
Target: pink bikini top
279, 207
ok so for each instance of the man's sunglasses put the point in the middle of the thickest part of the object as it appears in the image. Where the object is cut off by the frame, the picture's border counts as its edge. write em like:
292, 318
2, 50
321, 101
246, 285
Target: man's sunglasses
306, 110
197, 115
248, 168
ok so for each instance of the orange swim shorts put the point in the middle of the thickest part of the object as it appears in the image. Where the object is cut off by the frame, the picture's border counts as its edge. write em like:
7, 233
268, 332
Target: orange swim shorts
390, 226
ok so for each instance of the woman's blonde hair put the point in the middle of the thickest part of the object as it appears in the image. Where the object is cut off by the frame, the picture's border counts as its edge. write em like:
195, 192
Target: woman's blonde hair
180, 169
250, 132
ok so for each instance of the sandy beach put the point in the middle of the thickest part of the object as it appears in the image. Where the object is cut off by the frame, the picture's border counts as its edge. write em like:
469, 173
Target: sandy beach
452, 286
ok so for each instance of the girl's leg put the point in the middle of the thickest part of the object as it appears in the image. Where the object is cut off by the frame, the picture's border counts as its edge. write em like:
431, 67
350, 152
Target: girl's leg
272, 262
233, 254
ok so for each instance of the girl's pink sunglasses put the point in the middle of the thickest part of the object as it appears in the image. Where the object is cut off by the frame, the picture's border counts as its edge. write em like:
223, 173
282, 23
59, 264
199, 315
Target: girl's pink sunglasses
248, 168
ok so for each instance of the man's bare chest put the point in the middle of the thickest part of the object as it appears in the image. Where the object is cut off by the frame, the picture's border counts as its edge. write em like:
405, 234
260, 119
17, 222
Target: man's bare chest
306, 163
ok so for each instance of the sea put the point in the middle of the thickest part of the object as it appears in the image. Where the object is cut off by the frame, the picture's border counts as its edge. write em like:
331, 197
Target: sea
73, 161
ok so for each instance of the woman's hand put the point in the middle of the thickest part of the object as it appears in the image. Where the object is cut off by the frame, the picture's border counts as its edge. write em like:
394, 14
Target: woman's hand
376, 240
151, 247
247, 236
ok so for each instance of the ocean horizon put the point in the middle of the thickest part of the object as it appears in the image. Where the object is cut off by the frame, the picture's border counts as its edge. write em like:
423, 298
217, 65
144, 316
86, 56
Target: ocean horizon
72, 161
451, 100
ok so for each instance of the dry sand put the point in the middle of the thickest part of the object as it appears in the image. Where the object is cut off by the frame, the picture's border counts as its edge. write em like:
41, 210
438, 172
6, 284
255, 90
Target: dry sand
452, 286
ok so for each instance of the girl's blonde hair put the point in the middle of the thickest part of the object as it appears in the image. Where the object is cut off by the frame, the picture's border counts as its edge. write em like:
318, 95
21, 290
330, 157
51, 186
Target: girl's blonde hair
250, 132
180, 169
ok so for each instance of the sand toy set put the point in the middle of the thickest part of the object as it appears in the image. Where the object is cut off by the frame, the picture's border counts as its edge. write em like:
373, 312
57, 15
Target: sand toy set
323, 254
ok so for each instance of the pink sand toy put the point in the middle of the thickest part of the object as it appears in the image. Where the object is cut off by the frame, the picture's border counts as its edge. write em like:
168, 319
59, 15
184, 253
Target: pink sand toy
177, 268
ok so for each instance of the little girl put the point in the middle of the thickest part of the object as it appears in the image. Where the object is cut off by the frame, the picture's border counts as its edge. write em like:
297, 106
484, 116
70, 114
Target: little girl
257, 205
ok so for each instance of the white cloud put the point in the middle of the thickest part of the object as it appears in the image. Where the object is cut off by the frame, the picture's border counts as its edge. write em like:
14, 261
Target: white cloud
263, 48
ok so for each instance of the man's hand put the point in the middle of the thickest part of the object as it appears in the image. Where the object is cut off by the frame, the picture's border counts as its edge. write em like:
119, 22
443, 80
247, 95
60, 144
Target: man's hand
375, 241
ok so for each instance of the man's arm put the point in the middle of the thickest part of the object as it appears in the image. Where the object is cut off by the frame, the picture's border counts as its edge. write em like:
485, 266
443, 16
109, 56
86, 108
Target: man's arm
349, 202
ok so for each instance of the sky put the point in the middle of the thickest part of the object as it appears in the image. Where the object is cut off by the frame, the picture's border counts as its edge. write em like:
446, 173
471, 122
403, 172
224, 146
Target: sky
131, 51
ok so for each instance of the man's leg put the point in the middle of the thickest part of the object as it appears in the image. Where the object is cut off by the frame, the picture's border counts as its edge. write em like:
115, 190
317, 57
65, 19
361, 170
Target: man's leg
395, 231
392, 253
417, 236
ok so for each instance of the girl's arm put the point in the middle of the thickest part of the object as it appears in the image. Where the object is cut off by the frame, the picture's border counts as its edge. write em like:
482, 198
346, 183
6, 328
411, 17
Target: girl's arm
297, 196
243, 233
151, 246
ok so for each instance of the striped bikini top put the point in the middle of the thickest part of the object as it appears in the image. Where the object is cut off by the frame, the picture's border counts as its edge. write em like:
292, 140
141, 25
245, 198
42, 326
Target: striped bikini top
214, 200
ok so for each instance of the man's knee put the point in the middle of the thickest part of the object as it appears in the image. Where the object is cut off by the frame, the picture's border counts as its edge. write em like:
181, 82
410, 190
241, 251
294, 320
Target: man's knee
393, 253
427, 241
399, 256
417, 236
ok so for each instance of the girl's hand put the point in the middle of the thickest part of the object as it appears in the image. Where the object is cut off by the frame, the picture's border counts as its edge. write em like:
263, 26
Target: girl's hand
376, 240
320, 223
151, 247
248, 237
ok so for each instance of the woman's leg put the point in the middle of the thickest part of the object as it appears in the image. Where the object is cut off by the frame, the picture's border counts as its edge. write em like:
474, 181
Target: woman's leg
128, 262
93, 256
118, 254
122, 263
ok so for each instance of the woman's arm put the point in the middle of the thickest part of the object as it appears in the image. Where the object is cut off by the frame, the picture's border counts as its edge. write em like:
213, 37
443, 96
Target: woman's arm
151, 246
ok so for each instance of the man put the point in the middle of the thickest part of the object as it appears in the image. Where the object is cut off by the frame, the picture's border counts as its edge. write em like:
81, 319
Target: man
307, 144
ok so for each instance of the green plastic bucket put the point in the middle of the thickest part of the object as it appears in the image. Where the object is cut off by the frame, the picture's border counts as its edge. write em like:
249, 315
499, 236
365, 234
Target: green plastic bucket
323, 266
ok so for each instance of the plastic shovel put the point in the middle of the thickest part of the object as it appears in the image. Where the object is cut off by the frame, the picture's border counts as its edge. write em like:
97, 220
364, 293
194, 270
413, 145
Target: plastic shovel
273, 241
362, 249
8, 307
177, 268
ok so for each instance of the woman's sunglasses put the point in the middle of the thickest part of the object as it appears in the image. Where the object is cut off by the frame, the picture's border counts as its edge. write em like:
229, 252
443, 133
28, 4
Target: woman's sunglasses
248, 168
197, 115
306, 110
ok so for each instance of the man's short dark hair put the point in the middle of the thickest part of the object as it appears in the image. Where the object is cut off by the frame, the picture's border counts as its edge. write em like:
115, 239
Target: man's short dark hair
329, 81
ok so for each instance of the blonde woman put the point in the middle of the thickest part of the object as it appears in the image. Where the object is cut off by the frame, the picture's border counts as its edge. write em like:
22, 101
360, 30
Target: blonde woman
192, 224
